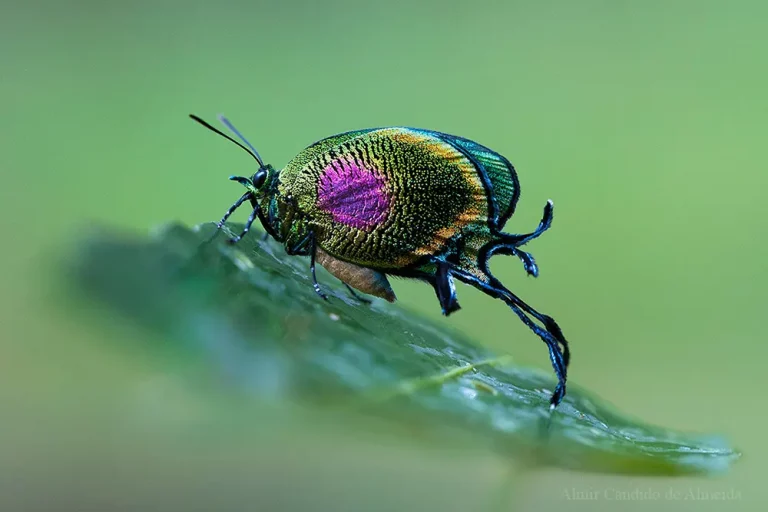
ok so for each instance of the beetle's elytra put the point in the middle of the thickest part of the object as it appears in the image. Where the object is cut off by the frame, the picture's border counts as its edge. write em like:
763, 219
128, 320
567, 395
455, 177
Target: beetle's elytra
404, 202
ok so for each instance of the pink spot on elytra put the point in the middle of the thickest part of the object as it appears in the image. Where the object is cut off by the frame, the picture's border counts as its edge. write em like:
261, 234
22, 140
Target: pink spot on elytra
353, 194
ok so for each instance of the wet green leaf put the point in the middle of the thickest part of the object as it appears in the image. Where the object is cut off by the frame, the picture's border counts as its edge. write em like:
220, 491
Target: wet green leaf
250, 312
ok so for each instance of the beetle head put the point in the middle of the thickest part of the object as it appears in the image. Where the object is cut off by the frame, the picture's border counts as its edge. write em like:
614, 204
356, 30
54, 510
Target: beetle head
257, 185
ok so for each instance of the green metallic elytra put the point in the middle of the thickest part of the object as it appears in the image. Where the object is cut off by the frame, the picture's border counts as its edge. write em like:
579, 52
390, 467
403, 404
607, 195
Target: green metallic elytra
405, 202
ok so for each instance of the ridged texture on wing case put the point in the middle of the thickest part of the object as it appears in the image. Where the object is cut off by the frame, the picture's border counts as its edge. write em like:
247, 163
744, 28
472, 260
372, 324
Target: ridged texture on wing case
387, 198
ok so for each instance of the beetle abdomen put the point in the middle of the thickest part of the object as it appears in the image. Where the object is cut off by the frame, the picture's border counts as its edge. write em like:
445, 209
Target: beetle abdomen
361, 278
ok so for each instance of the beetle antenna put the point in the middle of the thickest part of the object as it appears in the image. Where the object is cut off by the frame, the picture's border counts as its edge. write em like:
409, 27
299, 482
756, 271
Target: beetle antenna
234, 130
250, 151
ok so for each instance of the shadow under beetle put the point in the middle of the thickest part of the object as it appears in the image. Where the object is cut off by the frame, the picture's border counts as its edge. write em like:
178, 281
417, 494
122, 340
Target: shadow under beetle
403, 202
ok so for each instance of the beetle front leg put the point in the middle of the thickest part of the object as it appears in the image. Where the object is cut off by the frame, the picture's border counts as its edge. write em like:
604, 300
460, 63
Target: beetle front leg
248, 224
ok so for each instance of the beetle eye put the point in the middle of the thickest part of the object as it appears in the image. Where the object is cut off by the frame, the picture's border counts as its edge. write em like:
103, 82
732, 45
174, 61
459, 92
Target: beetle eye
259, 178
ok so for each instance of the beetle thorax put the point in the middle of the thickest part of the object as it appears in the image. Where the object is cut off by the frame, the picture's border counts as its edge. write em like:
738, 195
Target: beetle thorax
282, 217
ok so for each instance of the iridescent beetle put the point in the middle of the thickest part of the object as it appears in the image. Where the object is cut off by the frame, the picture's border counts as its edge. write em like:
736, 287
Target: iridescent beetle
403, 202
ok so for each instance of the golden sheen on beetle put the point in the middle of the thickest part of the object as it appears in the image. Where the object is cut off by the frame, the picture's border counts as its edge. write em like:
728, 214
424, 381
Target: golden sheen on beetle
403, 202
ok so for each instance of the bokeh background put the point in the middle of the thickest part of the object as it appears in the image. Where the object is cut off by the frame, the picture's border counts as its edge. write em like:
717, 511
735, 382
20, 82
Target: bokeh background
645, 122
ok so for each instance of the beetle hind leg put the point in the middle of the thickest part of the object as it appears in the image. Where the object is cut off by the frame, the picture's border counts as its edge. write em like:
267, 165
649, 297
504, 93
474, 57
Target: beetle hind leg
551, 334
356, 296
529, 262
544, 224
546, 328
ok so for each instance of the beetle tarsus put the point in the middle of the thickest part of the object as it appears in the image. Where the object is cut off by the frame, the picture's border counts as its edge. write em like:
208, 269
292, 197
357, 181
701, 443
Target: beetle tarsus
557, 396
529, 263
319, 291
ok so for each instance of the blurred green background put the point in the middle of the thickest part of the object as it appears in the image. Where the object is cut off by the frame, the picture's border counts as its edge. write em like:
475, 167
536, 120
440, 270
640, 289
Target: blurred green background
645, 122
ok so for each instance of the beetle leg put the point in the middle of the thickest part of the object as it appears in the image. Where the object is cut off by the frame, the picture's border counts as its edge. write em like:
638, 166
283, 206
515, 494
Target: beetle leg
551, 334
355, 295
232, 208
445, 288
270, 221
529, 263
544, 224
312, 252
247, 227
491, 281
298, 248
549, 323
